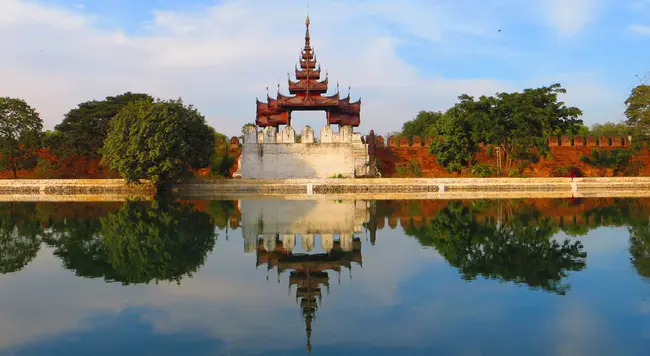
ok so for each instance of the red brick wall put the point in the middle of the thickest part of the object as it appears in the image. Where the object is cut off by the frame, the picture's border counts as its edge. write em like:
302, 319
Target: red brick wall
564, 152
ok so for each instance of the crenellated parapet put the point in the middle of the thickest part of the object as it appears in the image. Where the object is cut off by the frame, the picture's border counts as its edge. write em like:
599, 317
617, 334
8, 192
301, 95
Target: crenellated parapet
287, 135
589, 141
553, 141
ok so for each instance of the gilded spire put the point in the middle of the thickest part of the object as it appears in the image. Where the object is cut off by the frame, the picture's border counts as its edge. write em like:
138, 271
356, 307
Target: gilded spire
307, 36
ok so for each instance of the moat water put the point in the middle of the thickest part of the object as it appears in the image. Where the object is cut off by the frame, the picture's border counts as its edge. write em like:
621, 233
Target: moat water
274, 277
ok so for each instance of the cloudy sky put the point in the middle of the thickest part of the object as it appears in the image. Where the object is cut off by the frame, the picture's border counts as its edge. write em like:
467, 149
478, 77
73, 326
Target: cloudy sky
399, 56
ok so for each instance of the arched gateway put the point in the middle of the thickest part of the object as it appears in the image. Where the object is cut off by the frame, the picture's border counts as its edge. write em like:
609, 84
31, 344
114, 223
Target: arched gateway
273, 152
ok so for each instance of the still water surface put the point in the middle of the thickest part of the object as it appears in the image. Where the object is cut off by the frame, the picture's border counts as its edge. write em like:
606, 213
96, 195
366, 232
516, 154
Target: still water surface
272, 277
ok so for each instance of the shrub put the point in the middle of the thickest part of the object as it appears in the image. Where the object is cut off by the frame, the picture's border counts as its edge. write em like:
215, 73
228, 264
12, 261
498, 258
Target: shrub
414, 167
621, 162
567, 171
633, 168
481, 170
515, 173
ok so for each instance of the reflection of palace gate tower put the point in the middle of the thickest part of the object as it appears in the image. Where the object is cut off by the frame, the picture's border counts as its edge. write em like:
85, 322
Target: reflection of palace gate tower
308, 272
326, 233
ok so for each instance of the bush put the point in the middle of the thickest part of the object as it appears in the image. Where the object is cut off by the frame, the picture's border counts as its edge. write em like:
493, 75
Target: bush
621, 162
481, 170
567, 171
633, 168
414, 167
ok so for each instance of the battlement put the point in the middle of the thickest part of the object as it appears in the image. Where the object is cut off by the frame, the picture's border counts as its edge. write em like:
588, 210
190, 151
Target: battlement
553, 141
269, 135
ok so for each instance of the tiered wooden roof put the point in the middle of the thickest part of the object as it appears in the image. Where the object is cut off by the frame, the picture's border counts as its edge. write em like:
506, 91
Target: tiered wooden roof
308, 94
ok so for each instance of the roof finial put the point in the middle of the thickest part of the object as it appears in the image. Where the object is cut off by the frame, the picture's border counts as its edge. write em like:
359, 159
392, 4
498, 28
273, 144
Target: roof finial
278, 88
307, 37
349, 89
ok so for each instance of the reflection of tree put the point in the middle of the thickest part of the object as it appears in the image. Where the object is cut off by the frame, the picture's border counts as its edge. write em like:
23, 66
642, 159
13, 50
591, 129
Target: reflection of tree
519, 250
140, 243
633, 214
222, 211
20, 235
160, 242
80, 246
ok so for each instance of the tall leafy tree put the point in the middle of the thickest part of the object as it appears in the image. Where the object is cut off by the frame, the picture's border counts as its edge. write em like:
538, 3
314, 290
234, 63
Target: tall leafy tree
162, 141
516, 123
422, 122
85, 127
519, 123
20, 127
638, 113
457, 141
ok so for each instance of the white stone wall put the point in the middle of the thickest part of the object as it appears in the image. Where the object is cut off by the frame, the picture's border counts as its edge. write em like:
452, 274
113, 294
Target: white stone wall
297, 160
269, 154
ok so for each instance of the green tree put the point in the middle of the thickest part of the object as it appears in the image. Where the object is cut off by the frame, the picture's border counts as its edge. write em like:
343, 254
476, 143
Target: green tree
162, 141
85, 128
20, 127
457, 141
638, 114
422, 122
519, 123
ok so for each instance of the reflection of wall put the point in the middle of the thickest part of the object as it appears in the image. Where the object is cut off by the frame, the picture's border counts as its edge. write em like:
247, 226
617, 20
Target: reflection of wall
269, 219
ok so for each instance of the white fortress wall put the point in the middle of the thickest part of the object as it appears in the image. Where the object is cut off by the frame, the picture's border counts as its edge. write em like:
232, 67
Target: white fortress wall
268, 154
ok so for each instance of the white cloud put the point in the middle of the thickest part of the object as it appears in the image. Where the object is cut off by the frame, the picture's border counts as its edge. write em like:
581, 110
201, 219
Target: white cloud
571, 16
640, 29
222, 57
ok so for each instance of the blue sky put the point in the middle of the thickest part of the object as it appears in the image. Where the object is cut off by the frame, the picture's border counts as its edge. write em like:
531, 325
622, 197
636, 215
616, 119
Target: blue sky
399, 56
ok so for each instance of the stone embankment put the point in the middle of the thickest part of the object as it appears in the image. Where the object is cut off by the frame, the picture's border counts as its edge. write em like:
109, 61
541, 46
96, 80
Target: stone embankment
70, 189
380, 188
419, 188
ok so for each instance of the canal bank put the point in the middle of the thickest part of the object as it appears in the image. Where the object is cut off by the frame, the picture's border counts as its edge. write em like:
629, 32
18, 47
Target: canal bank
379, 188
422, 188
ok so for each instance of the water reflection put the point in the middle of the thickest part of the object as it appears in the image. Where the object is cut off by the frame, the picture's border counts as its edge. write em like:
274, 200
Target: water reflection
517, 249
540, 245
20, 236
270, 229
139, 243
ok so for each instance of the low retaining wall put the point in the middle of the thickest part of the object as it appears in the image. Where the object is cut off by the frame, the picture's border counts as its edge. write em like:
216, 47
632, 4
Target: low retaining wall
71, 187
422, 187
